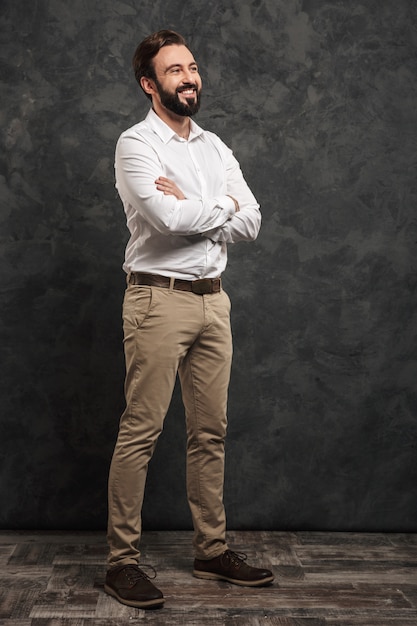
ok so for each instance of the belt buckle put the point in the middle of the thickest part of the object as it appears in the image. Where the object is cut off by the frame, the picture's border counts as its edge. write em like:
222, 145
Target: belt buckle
201, 286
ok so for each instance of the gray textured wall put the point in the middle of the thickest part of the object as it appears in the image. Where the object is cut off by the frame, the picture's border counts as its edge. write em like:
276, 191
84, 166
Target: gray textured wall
318, 100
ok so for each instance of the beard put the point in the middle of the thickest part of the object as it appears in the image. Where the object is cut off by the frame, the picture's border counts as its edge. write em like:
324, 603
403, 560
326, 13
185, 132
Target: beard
172, 102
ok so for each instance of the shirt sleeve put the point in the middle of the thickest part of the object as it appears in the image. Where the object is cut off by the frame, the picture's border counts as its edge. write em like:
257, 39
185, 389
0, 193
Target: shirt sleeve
137, 166
243, 225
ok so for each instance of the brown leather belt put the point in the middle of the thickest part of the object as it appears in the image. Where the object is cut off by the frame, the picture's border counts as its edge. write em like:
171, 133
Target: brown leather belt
200, 286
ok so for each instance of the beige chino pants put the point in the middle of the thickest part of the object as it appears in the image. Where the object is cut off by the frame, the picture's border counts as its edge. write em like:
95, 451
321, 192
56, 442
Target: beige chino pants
168, 332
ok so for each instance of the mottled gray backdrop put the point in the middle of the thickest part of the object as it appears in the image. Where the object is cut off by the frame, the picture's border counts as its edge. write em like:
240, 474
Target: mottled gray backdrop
318, 99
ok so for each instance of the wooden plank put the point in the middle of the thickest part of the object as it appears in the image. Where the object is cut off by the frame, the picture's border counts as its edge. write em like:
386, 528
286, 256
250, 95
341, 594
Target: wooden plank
72, 604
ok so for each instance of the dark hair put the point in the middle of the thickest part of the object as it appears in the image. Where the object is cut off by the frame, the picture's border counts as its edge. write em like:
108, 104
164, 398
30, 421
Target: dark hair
145, 52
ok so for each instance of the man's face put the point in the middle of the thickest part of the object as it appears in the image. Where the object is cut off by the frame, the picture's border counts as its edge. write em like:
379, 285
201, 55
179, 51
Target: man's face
177, 82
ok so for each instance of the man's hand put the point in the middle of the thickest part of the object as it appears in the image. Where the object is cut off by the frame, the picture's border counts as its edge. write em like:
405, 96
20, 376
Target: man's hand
169, 188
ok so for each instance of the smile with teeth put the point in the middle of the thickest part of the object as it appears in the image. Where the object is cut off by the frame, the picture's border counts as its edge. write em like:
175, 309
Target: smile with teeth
187, 91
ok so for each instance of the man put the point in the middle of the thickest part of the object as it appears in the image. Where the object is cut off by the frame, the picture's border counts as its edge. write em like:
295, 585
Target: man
185, 199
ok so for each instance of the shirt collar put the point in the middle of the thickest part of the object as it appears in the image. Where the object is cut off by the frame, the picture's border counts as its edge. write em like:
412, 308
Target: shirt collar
166, 133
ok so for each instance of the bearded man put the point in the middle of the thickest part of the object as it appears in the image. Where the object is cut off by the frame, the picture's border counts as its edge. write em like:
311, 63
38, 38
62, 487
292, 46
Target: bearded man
185, 199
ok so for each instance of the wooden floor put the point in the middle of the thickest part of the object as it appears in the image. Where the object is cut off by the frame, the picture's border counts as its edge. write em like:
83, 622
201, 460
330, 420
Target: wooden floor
322, 579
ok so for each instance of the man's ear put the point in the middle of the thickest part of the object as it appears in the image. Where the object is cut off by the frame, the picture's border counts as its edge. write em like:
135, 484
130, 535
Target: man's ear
147, 85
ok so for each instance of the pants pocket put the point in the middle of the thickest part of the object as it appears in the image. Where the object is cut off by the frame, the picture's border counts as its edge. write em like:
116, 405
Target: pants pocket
136, 305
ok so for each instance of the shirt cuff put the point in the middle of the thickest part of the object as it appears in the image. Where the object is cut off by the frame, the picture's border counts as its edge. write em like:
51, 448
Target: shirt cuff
227, 204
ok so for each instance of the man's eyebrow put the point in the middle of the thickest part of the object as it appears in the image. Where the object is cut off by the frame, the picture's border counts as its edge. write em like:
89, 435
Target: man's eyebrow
170, 67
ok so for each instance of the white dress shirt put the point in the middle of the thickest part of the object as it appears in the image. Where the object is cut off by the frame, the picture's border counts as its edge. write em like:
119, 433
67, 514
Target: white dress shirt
182, 238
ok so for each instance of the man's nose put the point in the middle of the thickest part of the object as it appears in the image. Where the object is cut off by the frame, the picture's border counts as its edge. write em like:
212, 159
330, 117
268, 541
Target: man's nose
188, 77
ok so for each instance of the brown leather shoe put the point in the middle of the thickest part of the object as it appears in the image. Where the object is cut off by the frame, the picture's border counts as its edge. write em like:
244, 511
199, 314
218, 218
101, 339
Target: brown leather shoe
131, 586
231, 566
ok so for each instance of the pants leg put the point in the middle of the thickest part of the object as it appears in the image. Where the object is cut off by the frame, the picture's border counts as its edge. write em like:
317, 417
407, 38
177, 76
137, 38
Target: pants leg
204, 375
153, 348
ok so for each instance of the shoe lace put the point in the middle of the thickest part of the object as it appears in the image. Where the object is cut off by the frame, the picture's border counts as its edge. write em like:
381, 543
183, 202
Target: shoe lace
236, 558
134, 573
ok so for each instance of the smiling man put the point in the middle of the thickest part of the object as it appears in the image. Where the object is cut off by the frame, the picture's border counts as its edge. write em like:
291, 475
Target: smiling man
185, 200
